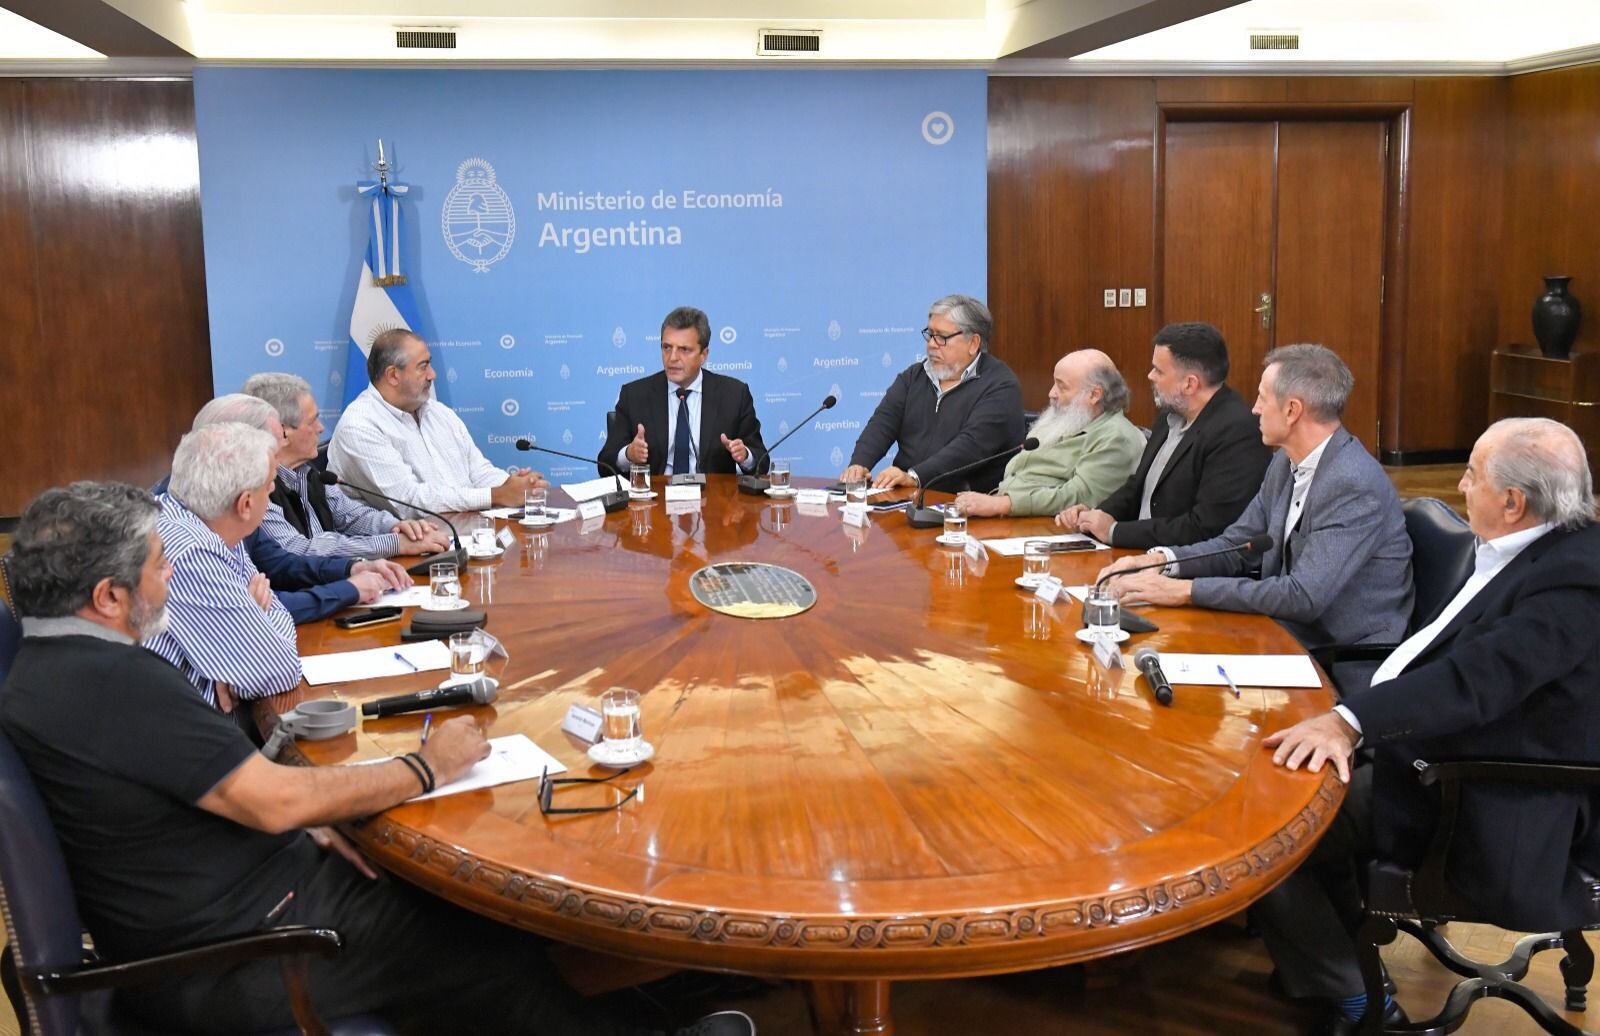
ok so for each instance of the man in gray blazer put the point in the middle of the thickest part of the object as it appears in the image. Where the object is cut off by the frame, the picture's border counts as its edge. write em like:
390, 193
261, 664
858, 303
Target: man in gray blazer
1339, 570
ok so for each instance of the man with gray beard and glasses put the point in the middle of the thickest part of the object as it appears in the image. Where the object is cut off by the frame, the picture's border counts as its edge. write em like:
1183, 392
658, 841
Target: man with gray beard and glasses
1087, 448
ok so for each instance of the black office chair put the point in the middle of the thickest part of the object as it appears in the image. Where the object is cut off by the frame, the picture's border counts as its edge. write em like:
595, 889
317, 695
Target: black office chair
1416, 901
1442, 556
56, 986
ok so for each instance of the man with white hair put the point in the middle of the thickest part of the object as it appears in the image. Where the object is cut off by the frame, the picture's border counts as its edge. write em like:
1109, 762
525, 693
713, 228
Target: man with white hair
1507, 671
302, 516
227, 632
310, 586
1087, 448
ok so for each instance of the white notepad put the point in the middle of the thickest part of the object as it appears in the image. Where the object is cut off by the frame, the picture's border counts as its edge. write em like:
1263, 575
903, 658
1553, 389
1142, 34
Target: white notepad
342, 666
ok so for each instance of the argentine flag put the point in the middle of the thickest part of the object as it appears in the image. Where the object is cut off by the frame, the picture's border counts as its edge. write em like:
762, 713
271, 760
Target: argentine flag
383, 297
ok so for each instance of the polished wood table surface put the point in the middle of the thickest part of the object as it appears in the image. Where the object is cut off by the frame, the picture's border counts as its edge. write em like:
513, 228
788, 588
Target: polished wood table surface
924, 775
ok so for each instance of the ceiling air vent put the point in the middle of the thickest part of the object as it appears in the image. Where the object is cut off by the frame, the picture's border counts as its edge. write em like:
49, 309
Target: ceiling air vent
1274, 41
425, 37
770, 42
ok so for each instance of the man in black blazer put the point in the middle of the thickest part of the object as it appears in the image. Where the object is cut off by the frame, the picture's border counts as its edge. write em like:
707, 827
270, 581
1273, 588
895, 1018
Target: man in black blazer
1507, 671
685, 419
1205, 458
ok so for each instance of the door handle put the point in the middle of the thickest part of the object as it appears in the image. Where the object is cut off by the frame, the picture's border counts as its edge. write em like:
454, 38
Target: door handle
1265, 309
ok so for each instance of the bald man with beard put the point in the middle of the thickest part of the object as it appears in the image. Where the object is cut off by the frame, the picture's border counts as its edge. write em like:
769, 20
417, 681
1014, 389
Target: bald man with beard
1087, 448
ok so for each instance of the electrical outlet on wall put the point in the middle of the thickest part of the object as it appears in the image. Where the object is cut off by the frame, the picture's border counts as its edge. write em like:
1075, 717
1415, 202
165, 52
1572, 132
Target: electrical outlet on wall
1125, 297
1111, 298
1139, 297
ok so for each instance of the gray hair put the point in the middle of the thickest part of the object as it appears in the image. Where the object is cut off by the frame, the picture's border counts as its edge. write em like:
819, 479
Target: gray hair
389, 350
70, 538
236, 408
1546, 460
968, 314
216, 463
1316, 376
282, 392
1113, 389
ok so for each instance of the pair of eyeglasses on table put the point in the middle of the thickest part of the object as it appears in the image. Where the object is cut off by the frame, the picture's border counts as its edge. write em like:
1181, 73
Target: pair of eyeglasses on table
547, 787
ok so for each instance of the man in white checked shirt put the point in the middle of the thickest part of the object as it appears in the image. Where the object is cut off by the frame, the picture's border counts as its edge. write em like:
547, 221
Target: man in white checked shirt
397, 439
302, 516
227, 632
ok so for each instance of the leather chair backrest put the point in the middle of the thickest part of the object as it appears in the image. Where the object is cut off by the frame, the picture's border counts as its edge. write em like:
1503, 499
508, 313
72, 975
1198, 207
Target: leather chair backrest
1442, 552
10, 639
42, 926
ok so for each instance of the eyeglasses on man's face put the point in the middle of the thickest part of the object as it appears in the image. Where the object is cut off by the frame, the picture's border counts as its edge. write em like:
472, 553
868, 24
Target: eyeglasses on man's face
939, 339
547, 787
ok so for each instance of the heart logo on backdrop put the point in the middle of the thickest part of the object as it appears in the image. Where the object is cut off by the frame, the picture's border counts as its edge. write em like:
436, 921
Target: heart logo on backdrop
938, 128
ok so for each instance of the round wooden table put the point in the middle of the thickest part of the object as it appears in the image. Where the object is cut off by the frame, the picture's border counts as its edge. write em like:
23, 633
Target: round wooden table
924, 775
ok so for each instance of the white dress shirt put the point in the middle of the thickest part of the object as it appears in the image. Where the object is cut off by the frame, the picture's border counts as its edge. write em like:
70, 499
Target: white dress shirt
429, 461
1492, 556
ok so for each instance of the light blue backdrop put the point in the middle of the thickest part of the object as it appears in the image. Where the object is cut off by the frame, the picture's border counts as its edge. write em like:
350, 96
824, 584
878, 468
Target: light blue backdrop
845, 203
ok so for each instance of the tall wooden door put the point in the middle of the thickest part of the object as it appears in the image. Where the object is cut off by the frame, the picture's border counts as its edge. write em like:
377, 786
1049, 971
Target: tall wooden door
1274, 232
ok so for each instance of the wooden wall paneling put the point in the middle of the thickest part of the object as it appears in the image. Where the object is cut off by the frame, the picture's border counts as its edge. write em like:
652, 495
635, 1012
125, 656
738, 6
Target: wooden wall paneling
1454, 263
1553, 166
124, 359
1283, 90
1332, 180
19, 310
1217, 234
1071, 185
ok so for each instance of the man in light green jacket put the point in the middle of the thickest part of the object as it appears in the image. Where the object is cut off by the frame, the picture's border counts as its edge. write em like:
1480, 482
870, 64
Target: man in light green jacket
1086, 447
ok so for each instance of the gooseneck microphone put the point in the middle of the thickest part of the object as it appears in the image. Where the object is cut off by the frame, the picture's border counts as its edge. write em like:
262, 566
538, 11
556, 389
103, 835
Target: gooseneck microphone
478, 692
1148, 661
754, 484
1254, 545
919, 517
615, 500
420, 568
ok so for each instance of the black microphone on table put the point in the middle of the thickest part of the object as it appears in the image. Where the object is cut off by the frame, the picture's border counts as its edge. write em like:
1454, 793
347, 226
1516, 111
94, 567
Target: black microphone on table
1148, 660
753, 484
919, 517
478, 692
419, 568
615, 500
1255, 545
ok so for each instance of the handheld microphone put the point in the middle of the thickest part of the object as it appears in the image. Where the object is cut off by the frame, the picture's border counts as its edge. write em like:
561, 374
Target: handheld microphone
615, 500
1255, 545
478, 692
1148, 659
420, 568
919, 517
753, 484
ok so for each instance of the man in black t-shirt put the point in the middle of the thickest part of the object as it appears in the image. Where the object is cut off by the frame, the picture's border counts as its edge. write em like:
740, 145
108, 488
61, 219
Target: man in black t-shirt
176, 830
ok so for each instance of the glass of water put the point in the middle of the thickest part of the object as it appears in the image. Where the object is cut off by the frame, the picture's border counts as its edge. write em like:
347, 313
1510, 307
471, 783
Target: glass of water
534, 504
1102, 613
466, 658
641, 480
1035, 560
482, 535
955, 525
619, 714
855, 491
778, 475
445, 585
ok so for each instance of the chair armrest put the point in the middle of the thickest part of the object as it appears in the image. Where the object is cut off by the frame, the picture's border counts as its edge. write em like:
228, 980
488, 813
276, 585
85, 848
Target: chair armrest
283, 941
1567, 775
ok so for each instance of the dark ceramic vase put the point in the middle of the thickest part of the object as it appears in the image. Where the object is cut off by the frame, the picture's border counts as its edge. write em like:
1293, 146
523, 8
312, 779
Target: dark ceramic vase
1556, 316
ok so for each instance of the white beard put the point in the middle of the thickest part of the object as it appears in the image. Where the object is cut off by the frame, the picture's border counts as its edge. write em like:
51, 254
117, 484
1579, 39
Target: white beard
147, 626
1060, 422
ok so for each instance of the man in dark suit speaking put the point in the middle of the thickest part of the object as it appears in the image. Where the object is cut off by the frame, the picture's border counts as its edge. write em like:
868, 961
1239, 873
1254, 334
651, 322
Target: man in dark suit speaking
1508, 670
685, 419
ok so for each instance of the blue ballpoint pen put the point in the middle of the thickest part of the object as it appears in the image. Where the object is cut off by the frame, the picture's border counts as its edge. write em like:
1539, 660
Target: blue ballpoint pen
1231, 685
427, 725
408, 662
